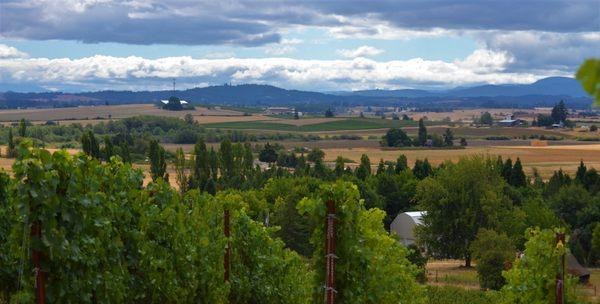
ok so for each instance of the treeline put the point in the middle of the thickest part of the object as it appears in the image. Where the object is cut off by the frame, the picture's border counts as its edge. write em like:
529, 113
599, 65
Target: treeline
134, 133
396, 137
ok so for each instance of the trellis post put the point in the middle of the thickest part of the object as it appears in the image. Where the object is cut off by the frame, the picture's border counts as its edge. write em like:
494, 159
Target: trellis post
226, 230
560, 277
36, 256
330, 256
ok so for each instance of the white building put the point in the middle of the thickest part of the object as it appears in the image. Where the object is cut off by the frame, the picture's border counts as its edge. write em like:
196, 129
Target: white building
404, 226
183, 102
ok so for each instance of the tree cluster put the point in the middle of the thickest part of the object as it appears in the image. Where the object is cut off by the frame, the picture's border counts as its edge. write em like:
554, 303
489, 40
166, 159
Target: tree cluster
396, 137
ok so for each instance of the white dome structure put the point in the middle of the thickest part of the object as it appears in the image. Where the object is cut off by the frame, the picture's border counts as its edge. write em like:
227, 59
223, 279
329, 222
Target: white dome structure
404, 226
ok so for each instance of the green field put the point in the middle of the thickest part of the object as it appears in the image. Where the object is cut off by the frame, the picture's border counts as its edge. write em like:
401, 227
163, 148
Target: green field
337, 125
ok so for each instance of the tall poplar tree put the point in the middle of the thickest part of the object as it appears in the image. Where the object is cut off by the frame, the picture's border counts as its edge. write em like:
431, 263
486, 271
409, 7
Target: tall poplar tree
422, 137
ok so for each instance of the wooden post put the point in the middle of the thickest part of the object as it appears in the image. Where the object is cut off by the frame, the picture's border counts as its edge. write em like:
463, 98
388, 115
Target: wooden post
36, 256
330, 254
228, 249
560, 277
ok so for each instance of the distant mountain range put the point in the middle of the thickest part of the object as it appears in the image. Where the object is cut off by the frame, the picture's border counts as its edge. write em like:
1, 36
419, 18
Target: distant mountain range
543, 92
551, 86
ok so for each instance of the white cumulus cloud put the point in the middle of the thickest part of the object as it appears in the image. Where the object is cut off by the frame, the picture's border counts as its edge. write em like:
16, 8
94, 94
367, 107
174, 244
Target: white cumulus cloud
11, 52
361, 51
91, 73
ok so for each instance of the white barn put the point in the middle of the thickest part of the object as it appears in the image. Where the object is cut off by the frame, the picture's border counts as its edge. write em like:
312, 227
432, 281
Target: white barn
404, 226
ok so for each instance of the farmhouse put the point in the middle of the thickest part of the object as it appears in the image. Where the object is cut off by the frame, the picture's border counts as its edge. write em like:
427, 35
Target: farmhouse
280, 111
404, 225
509, 121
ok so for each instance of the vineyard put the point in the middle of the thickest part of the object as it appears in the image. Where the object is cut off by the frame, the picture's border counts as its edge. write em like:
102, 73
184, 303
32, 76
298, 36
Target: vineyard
102, 237
218, 225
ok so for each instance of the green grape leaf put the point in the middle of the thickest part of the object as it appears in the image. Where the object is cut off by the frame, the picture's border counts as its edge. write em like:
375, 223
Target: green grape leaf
589, 76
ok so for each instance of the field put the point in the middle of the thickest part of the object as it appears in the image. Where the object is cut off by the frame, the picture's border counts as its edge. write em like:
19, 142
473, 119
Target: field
315, 125
564, 154
468, 115
105, 112
452, 272
545, 159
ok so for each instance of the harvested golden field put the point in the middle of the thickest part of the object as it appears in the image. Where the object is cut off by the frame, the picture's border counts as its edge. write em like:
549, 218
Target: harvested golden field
104, 112
545, 159
469, 115
6, 163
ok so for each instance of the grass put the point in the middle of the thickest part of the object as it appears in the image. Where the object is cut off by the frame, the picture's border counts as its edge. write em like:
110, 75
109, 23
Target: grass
336, 125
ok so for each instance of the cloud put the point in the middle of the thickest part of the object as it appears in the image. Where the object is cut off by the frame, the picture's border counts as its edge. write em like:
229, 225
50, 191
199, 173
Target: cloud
543, 50
11, 52
280, 50
554, 16
251, 23
133, 22
97, 72
218, 55
286, 46
361, 51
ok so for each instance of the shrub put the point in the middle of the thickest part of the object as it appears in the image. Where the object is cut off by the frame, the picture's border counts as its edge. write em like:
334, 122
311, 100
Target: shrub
532, 278
453, 295
492, 251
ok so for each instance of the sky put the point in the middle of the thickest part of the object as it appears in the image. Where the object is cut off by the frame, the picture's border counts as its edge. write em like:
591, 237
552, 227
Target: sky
91, 45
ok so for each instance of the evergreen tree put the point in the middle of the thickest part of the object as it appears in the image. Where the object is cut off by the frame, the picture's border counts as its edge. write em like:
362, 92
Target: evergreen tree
463, 142
559, 112
226, 158
339, 166
85, 144
422, 137
300, 165
267, 154
23, 128
401, 164
449, 138
486, 119
329, 113
214, 163
211, 187
381, 167
320, 170
90, 144
11, 149
124, 152
201, 167
517, 176
391, 168
180, 171
507, 169
156, 155
248, 162
364, 169
422, 169
581, 170
109, 150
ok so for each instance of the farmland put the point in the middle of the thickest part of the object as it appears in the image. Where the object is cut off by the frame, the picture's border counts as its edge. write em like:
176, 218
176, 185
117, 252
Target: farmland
348, 137
95, 113
340, 124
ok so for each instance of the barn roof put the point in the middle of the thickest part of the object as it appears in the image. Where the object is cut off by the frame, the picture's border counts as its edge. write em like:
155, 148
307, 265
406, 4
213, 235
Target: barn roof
415, 215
